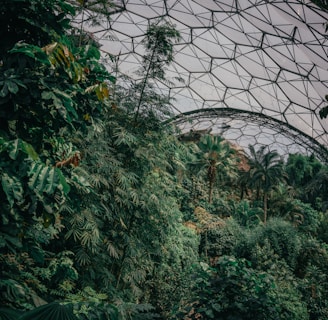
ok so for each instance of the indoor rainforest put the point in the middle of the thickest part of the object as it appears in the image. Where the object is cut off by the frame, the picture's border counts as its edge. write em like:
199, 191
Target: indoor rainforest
109, 212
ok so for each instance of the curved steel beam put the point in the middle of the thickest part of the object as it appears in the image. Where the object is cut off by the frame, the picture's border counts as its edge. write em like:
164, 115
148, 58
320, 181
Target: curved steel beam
284, 128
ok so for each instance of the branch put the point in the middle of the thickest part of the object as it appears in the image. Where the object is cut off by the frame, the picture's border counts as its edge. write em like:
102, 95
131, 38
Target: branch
74, 160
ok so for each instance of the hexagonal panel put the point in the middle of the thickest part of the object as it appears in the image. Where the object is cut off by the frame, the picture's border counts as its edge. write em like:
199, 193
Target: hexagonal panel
265, 62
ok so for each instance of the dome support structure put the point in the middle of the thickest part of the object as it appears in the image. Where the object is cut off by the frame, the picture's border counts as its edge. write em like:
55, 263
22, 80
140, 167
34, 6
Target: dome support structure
265, 61
260, 119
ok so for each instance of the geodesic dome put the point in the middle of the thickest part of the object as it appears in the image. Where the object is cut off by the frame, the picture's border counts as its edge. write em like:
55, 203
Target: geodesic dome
254, 71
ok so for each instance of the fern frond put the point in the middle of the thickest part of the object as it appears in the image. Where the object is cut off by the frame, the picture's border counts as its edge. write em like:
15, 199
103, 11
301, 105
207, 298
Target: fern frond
112, 250
82, 257
123, 137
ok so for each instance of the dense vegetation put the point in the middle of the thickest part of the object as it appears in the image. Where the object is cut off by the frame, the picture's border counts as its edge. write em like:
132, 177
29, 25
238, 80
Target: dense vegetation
107, 214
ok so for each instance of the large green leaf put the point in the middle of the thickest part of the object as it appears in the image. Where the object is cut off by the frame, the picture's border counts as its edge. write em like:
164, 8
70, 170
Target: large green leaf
91, 310
31, 51
50, 311
4, 89
14, 147
46, 179
9, 314
64, 186
10, 82
12, 188
34, 174
92, 52
12, 86
62, 102
52, 181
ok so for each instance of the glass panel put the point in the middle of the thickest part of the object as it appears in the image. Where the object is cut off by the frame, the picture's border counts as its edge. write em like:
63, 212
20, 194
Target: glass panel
268, 57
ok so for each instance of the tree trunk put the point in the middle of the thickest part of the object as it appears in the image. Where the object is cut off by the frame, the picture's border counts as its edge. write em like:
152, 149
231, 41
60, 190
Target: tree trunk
265, 207
211, 174
210, 192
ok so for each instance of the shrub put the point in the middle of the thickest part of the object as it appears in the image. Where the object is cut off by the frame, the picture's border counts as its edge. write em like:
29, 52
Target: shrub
234, 290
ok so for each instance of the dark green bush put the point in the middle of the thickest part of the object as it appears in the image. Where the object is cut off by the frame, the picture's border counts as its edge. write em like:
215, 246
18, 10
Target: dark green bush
281, 236
234, 290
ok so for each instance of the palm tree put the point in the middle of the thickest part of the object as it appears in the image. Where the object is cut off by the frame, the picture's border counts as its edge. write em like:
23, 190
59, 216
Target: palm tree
317, 187
216, 159
306, 174
266, 172
283, 204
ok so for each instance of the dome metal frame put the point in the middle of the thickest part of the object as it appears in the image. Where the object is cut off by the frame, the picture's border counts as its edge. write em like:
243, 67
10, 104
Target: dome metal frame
261, 62
229, 114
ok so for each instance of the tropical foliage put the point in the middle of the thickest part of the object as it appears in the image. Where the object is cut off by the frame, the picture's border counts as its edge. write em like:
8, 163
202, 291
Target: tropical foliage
105, 214
265, 173
215, 159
